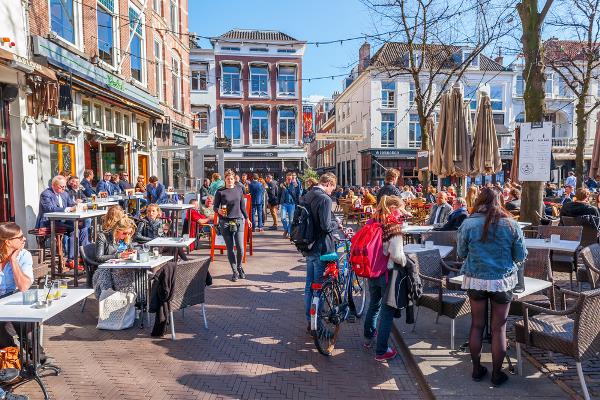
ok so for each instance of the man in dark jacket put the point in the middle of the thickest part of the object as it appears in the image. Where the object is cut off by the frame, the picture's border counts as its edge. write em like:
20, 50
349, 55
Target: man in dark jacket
440, 210
288, 198
579, 207
88, 177
257, 191
272, 199
124, 181
515, 200
457, 216
319, 204
389, 189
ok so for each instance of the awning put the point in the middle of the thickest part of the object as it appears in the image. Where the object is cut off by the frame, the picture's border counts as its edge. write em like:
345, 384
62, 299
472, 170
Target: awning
25, 65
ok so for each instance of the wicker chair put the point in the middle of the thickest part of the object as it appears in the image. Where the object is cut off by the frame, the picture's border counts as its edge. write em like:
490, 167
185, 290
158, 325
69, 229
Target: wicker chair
562, 261
537, 265
436, 296
590, 232
190, 284
443, 238
590, 273
574, 332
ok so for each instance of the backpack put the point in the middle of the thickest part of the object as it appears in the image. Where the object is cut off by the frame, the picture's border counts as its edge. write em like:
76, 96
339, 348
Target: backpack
366, 254
303, 231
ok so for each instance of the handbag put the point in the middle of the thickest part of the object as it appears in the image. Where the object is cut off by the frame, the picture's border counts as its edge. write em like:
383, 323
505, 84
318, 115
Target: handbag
9, 358
116, 310
520, 286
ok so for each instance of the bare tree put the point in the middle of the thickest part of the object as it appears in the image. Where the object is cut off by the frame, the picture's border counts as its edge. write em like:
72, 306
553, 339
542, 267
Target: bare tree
436, 41
577, 62
532, 21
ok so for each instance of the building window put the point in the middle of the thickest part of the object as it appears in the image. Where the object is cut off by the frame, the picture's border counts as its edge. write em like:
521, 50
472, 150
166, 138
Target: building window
136, 48
259, 49
158, 73
98, 117
260, 126
520, 118
388, 94
200, 78
563, 88
471, 95
62, 19
259, 80
388, 125
176, 82
174, 15
549, 84
286, 81
414, 132
118, 123
157, 6
203, 122
498, 118
86, 117
496, 97
474, 61
520, 86
288, 51
232, 124
287, 126
231, 80
226, 48
108, 119
411, 94
104, 14
126, 125
142, 132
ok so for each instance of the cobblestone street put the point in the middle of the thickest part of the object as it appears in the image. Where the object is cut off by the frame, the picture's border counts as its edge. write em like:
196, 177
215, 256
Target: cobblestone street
255, 347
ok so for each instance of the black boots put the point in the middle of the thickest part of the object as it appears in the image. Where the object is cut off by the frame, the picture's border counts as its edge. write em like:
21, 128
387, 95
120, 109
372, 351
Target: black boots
241, 272
234, 277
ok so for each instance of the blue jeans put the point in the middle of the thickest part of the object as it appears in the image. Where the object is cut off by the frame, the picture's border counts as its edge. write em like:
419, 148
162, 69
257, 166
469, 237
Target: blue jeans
314, 273
376, 290
257, 209
287, 215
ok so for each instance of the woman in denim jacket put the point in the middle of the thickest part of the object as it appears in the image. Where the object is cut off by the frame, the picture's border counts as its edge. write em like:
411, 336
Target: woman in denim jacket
491, 243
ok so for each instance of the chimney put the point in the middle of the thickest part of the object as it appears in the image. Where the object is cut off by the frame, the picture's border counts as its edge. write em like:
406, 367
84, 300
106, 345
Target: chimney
499, 60
364, 56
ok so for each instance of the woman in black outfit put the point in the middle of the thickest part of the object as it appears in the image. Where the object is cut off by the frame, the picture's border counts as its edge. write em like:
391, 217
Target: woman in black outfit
229, 204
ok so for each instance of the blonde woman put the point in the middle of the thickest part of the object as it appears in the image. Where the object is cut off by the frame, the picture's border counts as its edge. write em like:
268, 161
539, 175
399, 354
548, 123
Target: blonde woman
471, 197
115, 244
112, 216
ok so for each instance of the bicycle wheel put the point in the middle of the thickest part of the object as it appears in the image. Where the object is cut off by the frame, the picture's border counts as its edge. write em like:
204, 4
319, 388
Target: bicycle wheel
359, 289
326, 308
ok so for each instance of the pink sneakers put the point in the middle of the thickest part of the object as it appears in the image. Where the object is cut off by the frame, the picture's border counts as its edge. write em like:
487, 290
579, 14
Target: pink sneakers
388, 355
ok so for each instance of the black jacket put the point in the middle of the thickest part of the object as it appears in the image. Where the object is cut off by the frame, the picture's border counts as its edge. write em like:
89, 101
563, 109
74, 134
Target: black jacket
389, 190
319, 205
403, 289
513, 205
578, 209
455, 220
106, 248
148, 230
163, 284
204, 193
273, 193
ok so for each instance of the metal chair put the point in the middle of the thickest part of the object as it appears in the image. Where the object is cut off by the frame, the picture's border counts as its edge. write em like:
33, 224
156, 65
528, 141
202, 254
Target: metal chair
443, 238
537, 265
90, 264
562, 261
436, 296
590, 273
574, 332
190, 284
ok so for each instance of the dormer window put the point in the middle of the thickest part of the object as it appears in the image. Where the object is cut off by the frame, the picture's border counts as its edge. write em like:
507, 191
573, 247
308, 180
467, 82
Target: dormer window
474, 61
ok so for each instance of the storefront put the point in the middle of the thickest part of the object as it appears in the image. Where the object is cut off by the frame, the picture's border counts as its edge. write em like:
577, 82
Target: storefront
374, 163
266, 162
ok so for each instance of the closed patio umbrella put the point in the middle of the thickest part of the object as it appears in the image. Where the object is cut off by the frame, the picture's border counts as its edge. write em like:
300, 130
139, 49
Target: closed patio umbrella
595, 163
485, 155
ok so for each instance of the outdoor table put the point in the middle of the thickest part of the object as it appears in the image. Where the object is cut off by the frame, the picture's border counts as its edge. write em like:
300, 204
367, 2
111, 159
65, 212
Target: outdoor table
569, 246
102, 204
416, 248
532, 285
12, 309
176, 208
141, 268
171, 242
417, 229
124, 197
75, 217
524, 224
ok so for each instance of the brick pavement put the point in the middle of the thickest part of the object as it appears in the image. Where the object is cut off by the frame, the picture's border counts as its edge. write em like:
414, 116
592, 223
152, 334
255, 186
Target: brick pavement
255, 347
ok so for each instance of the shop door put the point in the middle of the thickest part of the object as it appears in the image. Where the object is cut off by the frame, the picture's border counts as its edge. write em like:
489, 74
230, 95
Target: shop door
62, 157
142, 168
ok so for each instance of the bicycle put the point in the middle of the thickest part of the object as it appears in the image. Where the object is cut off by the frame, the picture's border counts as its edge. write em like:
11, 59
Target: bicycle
335, 296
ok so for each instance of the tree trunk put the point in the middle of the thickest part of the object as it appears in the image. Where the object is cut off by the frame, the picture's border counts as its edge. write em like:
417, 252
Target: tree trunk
425, 135
581, 123
532, 204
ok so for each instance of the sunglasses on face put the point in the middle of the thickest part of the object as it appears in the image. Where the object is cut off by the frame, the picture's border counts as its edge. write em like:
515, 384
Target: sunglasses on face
21, 237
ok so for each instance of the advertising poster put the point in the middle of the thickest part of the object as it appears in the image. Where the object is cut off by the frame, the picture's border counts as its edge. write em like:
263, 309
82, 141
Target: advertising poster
308, 132
535, 152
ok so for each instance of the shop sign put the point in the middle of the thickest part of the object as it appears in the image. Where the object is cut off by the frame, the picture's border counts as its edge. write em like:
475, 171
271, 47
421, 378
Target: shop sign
423, 160
75, 64
265, 154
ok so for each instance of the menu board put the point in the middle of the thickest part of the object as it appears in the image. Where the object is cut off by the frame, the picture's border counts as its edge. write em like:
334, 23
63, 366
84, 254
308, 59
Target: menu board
535, 152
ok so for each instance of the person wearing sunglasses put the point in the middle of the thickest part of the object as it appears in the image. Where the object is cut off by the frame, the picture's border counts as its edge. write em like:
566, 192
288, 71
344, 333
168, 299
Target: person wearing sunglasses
105, 185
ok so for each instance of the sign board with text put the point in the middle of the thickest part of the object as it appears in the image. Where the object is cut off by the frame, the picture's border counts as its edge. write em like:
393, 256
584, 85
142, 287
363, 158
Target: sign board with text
340, 137
423, 160
535, 152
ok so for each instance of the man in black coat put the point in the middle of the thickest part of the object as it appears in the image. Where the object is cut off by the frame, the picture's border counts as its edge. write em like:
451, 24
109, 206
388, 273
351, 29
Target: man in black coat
272, 199
390, 188
440, 210
457, 216
579, 207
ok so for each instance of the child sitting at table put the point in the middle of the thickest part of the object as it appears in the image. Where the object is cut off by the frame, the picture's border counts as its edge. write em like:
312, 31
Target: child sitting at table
194, 218
152, 227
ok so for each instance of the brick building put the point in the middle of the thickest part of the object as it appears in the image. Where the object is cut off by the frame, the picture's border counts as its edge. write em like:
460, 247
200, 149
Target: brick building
321, 153
125, 65
259, 100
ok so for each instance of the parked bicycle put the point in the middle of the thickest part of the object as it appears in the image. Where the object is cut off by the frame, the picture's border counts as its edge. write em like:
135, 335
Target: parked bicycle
335, 297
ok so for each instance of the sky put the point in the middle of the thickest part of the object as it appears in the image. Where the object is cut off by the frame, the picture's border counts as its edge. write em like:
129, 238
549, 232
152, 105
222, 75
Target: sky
307, 20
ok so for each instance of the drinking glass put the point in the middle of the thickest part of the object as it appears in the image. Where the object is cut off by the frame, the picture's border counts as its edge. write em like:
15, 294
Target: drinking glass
63, 287
54, 291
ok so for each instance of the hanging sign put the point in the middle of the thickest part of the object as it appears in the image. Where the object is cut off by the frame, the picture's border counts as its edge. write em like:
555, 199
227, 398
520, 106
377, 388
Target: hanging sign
423, 160
535, 152
308, 133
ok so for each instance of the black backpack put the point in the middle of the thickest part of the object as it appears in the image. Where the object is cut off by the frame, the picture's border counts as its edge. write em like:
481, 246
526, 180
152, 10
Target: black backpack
303, 230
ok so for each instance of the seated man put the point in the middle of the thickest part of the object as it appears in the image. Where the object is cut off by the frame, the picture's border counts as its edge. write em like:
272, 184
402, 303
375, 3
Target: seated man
514, 200
105, 185
155, 191
457, 216
440, 210
56, 199
567, 195
580, 206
